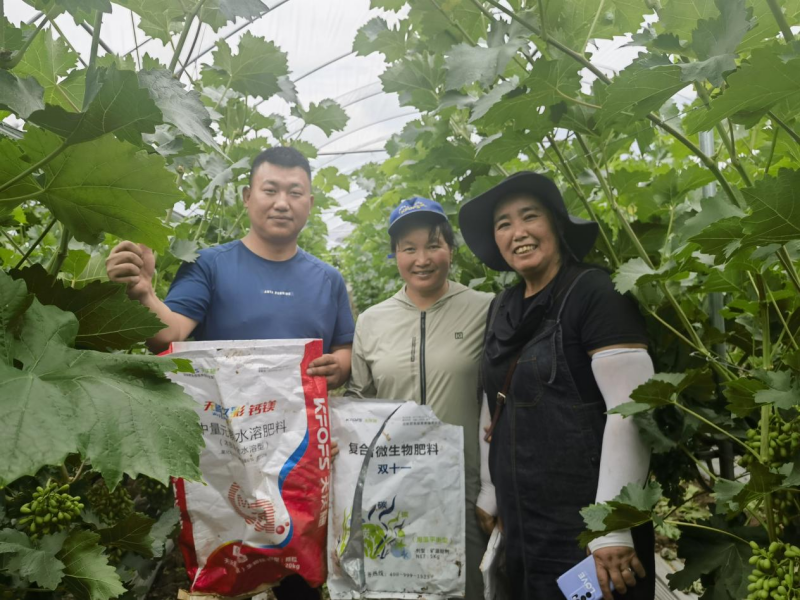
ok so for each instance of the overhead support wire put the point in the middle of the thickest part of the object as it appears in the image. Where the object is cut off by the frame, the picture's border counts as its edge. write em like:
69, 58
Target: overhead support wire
368, 125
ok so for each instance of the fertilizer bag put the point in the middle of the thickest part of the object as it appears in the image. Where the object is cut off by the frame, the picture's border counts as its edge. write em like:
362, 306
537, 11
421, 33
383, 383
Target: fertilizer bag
262, 512
397, 503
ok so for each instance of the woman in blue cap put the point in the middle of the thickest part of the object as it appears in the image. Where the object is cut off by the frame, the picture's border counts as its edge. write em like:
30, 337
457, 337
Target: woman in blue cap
424, 344
562, 348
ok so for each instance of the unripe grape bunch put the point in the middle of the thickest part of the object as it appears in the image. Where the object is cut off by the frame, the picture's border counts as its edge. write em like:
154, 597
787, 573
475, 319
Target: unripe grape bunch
777, 572
784, 441
50, 509
110, 506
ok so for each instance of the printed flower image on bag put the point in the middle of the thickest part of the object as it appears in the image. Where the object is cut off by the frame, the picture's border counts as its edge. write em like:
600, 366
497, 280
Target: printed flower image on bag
262, 512
402, 471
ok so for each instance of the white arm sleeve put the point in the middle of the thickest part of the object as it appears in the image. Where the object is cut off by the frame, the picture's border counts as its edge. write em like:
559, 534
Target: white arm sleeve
486, 499
624, 458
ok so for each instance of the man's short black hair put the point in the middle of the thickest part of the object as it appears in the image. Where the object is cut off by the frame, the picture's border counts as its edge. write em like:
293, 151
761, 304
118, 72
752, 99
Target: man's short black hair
281, 156
437, 227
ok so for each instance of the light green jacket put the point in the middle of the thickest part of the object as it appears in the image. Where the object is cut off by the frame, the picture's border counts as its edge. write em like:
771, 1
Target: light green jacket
431, 357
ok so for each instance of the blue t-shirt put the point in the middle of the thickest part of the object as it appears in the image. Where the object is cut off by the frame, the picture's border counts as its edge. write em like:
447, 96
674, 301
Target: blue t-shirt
235, 294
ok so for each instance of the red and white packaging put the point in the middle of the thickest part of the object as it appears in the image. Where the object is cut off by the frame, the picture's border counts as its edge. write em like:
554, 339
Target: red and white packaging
263, 510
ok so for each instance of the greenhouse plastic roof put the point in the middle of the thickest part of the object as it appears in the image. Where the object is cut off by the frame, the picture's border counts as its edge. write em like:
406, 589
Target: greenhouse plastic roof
318, 37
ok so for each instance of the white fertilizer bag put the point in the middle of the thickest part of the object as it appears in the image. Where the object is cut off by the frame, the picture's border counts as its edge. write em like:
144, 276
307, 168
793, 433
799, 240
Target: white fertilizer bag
397, 503
263, 510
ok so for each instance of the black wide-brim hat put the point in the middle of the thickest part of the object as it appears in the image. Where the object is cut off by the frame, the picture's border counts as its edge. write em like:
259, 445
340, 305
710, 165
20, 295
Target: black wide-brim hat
476, 218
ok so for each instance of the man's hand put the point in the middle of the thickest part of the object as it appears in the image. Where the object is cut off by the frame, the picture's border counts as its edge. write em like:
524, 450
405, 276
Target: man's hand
618, 564
485, 520
328, 367
134, 265
334, 449
334, 367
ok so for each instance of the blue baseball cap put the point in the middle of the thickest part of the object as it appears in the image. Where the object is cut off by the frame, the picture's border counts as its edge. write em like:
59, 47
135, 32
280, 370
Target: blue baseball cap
413, 206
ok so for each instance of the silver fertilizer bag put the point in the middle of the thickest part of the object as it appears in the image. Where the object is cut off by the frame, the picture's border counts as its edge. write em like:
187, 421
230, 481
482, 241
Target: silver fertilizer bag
396, 526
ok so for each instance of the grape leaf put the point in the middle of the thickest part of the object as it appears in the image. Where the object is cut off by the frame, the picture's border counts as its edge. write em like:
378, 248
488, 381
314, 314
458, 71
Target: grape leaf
327, 115
107, 318
87, 574
632, 507
179, 106
417, 79
782, 391
22, 96
253, 71
328, 178
49, 60
120, 106
488, 100
680, 17
35, 563
376, 36
758, 85
776, 209
715, 41
637, 91
503, 147
185, 250
467, 63
104, 185
131, 534
711, 210
636, 272
720, 238
580, 21
551, 81
159, 19
163, 528
721, 560
64, 401
14, 301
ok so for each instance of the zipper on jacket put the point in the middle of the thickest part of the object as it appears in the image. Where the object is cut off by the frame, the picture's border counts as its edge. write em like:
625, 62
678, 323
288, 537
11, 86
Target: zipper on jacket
422, 386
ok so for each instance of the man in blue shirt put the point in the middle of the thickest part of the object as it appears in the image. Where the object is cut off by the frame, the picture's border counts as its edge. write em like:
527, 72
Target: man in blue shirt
260, 287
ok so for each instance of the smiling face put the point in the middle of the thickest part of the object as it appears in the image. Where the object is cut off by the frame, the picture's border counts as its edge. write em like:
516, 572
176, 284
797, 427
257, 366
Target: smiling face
526, 236
278, 203
423, 260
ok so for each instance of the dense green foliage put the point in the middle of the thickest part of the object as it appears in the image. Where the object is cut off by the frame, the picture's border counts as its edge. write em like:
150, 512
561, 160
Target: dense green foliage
506, 86
92, 428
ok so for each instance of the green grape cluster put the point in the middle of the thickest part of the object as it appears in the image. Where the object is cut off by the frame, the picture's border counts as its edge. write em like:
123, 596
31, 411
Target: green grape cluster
784, 441
110, 506
785, 507
51, 509
776, 575
156, 493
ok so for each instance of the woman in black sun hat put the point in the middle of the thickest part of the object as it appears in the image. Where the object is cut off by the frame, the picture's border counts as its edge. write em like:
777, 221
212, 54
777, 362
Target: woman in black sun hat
562, 347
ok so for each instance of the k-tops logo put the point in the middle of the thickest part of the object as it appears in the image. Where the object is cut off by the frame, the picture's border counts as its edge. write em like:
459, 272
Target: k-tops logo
323, 439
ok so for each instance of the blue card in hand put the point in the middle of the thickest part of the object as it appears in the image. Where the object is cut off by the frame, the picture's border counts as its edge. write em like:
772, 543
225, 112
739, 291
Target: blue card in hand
580, 582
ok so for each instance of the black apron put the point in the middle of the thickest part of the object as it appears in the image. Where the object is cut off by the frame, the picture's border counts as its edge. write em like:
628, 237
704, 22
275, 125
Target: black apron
544, 461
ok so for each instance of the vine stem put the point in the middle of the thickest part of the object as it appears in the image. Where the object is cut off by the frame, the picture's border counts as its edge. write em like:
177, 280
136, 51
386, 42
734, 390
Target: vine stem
38, 241
792, 133
699, 463
61, 254
716, 427
788, 266
706, 528
786, 30
11, 240
570, 176
34, 167
766, 410
184, 34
